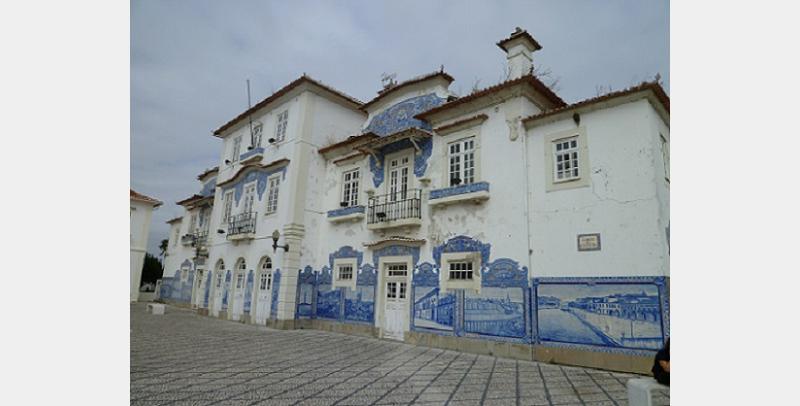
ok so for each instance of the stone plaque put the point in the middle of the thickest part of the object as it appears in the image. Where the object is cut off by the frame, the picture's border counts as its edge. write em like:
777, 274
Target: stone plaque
588, 242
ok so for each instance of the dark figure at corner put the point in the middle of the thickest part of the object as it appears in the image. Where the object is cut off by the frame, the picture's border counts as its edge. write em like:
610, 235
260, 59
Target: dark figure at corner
661, 365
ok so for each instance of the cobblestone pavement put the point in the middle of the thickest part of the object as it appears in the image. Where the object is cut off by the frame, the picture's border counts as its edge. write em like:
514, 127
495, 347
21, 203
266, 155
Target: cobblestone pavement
181, 358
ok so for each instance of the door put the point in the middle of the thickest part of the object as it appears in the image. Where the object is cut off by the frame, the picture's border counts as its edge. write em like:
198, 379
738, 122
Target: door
198, 290
399, 169
263, 296
249, 197
238, 296
395, 315
217, 299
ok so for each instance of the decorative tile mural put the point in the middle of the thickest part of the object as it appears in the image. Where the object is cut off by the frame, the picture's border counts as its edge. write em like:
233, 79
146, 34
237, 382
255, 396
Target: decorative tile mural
400, 116
462, 243
421, 157
207, 290
328, 299
431, 309
259, 175
248, 292
306, 284
500, 309
276, 288
346, 210
609, 312
459, 190
359, 304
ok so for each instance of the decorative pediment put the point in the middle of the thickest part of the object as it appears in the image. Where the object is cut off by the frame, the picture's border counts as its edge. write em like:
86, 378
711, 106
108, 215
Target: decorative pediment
346, 252
426, 274
307, 276
462, 243
367, 276
504, 273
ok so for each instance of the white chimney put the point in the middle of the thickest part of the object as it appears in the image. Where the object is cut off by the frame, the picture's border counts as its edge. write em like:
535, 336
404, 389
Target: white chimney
519, 47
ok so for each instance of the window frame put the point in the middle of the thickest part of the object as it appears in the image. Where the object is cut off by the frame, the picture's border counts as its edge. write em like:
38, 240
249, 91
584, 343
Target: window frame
350, 196
281, 125
237, 149
338, 263
258, 134
473, 257
566, 148
272, 209
227, 206
584, 168
461, 155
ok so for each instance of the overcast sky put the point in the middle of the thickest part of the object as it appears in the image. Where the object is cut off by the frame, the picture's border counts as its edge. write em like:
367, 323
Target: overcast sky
190, 60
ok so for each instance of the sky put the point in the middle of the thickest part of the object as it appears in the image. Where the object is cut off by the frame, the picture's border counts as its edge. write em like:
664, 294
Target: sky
190, 61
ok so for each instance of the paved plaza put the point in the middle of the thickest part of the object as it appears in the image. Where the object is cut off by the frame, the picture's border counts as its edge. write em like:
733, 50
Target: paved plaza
181, 358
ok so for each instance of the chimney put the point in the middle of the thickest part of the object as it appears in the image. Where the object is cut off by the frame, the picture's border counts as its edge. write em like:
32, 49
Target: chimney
518, 47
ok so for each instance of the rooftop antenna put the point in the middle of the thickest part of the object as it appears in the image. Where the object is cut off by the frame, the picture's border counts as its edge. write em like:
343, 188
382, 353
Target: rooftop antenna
250, 118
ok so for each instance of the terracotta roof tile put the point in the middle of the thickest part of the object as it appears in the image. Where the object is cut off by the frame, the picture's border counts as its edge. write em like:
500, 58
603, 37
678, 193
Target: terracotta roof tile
286, 89
145, 199
659, 92
529, 79
349, 140
207, 172
408, 82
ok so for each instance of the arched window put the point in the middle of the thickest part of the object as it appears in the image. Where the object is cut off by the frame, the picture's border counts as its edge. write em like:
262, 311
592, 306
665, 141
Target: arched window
266, 274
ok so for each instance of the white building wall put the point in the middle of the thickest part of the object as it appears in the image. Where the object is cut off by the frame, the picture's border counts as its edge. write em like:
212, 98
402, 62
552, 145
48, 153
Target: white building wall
621, 201
141, 214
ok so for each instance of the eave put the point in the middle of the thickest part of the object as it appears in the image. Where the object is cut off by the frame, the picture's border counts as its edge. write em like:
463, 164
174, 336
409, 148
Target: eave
274, 164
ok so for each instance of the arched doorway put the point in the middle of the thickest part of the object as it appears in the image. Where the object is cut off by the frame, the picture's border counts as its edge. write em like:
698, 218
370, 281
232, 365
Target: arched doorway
238, 283
199, 288
263, 291
218, 287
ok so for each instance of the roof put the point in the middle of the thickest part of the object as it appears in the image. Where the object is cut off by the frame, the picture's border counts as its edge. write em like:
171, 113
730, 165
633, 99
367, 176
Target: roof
519, 33
529, 79
207, 172
395, 238
656, 88
189, 200
384, 92
174, 220
284, 90
144, 199
350, 140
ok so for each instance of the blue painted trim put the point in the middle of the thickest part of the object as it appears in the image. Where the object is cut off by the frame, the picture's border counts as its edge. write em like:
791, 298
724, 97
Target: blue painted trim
459, 190
258, 175
462, 243
346, 252
345, 211
252, 152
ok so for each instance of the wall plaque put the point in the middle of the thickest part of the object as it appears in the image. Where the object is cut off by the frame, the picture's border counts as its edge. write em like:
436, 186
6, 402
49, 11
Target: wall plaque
589, 242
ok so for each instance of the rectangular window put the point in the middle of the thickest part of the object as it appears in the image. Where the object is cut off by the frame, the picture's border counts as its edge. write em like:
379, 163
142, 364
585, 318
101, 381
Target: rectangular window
227, 205
397, 270
402, 290
391, 290
239, 280
249, 197
461, 156
264, 281
461, 271
219, 280
345, 272
565, 156
272, 197
192, 223
237, 148
350, 187
280, 129
269, 281
257, 131
665, 155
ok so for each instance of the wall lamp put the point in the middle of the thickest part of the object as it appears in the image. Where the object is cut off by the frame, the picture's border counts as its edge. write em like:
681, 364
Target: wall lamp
275, 236
220, 231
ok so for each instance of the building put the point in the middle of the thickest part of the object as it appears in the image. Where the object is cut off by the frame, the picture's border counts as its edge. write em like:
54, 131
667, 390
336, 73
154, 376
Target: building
501, 192
141, 212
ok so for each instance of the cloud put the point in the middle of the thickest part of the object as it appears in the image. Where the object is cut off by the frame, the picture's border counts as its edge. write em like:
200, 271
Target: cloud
190, 59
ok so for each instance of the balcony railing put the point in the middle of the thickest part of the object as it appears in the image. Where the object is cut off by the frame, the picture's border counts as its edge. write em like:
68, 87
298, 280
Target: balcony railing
240, 224
394, 206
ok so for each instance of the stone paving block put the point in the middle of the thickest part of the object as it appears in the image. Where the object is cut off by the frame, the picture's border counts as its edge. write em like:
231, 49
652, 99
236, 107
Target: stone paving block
564, 399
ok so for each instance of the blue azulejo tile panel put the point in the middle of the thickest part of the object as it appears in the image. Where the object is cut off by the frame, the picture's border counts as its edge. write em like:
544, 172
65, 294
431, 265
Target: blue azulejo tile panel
328, 302
623, 313
346, 210
401, 115
495, 311
208, 188
166, 288
306, 285
225, 291
433, 309
248, 154
276, 288
359, 304
459, 190
207, 290
248, 292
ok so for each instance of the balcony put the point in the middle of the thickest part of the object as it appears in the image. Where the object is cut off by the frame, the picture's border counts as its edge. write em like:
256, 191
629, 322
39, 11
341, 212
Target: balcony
200, 244
242, 226
253, 155
395, 210
347, 213
473, 192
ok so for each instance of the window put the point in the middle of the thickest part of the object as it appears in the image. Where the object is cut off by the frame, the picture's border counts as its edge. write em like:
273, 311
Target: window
565, 156
397, 270
350, 187
226, 208
665, 155
249, 197
239, 279
257, 131
192, 223
461, 155
203, 224
266, 281
391, 290
177, 236
219, 280
237, 147
280, 129
461, 271
272, 197
345, 272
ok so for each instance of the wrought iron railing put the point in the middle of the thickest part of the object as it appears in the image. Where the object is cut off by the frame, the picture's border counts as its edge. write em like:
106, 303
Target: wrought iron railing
243, 223
404, 204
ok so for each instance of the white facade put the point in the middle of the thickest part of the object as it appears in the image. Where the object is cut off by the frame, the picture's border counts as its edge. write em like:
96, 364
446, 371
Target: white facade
418, 182
141, 213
